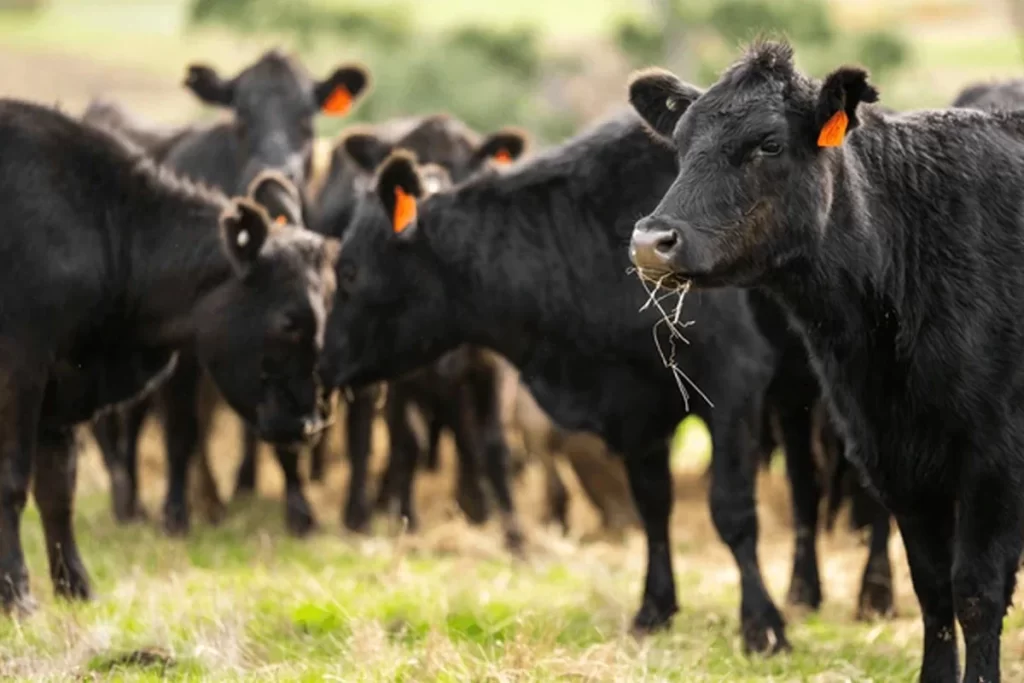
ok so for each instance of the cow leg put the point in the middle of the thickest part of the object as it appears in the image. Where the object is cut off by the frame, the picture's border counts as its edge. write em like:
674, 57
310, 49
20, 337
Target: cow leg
557, 494
245, 481
650, 481
181, 436
734, 513
482, 389
795, 422
990, 515
297, 512
359, 421
403, 457
876, 592
54, 492
318, 458
927, 539
117, 435
468, 440
19, 410
433, 456
386, 488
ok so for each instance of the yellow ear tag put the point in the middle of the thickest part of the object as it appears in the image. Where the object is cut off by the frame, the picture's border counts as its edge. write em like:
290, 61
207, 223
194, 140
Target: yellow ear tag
834, 130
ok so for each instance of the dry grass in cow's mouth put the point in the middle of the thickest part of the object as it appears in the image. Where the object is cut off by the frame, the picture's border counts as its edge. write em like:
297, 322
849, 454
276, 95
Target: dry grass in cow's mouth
660, 288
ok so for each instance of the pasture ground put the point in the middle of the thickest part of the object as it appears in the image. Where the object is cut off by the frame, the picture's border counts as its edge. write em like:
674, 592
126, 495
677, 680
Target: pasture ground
243, 601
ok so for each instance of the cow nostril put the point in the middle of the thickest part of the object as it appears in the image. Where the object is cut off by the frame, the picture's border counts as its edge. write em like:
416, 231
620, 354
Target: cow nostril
666, 243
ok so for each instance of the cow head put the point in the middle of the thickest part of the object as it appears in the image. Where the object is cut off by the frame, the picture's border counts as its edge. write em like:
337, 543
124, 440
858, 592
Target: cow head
758, 155
274, 102
261, 333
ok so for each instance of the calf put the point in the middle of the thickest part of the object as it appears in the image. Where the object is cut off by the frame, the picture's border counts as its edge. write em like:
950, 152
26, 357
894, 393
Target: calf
531, 264
896, 244
273, 102
124, 264
467, 379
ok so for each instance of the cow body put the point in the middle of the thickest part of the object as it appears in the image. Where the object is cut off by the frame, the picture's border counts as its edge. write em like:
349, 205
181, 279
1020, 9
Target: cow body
896, 243
95, 240
531, 264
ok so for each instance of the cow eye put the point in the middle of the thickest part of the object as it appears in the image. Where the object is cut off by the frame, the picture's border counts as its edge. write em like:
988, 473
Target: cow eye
769, 148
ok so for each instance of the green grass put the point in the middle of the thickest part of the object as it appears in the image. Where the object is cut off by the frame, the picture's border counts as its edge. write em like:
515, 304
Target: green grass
246, 602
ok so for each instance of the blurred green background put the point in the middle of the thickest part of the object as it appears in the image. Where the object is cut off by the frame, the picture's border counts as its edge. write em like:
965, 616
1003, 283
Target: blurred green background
548, 65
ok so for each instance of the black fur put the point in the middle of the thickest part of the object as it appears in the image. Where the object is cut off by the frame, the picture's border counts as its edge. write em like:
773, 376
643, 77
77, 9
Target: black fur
458, 392
531, 263
900, 255
273, 103
112, 264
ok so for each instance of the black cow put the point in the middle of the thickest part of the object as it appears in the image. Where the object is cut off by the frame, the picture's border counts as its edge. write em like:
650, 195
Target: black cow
532, 264
113, 263
273, 102
992, 96
460, 391
896, 243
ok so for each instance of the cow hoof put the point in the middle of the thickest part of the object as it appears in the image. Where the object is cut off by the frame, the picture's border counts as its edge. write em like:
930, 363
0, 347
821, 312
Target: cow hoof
876, 598
804, 593
15, 596
72, 582
124, 495
356, 519
299, 517
473, 505
176, 522
651, 619
765, 633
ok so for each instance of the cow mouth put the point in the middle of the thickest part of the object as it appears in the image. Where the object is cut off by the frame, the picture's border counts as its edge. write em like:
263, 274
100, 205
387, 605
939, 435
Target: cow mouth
666, 278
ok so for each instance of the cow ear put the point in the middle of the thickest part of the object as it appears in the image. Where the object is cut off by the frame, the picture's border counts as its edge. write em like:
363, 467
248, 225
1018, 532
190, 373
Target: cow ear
336, 94
208, 86
841, 93
503, 147
661, 99
399, 188
367, 150
244, 227
278, 196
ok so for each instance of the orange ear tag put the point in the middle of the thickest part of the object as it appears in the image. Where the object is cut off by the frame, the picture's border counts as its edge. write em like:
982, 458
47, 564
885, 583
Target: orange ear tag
281, 220
405, 210
834, 130
339, 102
503, 157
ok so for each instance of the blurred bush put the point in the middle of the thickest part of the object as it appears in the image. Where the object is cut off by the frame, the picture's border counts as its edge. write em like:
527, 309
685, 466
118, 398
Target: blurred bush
487, 77
705, 36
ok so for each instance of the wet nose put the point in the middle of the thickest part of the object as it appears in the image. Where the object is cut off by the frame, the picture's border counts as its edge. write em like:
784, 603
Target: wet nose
654, 246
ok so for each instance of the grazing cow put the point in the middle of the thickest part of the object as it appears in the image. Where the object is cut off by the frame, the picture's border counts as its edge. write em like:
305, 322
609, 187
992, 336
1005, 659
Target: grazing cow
895, 243
992, 96
273, 102
125, 264
532, 264
460, 391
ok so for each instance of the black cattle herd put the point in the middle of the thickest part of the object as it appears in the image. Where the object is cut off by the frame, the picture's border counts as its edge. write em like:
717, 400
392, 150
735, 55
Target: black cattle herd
849, 275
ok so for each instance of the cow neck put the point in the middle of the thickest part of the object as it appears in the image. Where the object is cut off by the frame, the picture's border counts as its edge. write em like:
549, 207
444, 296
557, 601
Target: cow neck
848, 297
177, 257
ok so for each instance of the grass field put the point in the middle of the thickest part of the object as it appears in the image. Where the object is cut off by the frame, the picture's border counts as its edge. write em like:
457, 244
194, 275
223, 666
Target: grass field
243, 601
